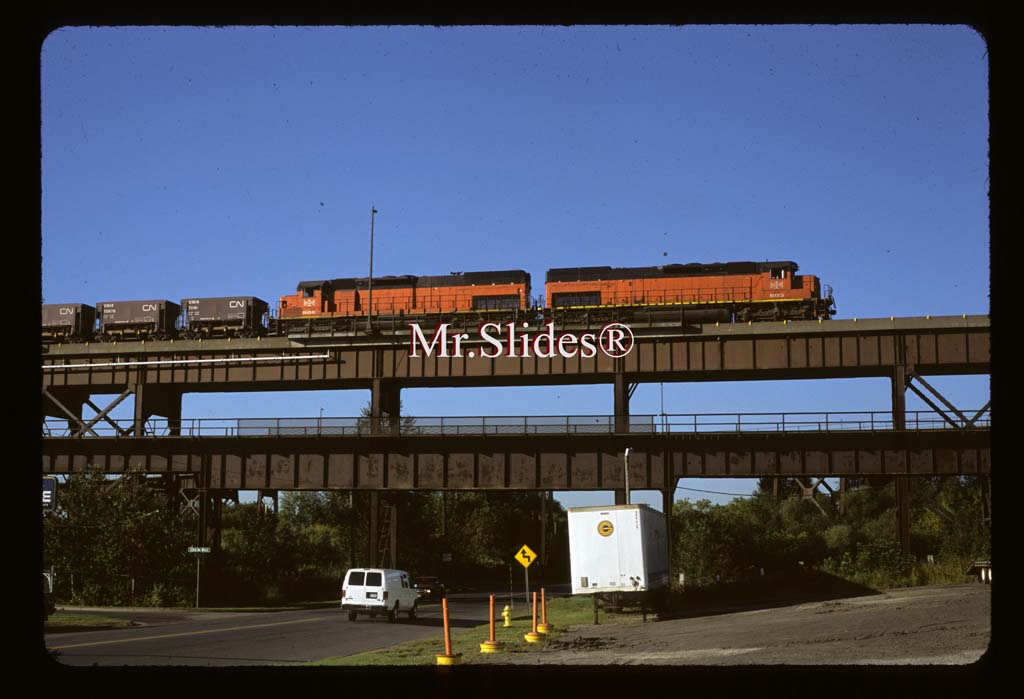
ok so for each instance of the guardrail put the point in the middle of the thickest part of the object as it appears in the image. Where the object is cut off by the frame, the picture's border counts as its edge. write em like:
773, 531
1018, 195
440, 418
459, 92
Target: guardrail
685, 423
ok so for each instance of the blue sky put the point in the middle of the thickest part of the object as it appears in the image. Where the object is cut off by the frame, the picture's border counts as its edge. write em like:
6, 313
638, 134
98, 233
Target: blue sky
206, 162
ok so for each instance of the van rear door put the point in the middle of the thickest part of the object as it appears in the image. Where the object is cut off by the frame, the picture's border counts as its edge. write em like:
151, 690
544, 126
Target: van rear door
355, 592
374, 588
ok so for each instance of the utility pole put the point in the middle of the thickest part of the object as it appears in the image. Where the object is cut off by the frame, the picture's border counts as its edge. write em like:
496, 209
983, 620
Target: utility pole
369, 281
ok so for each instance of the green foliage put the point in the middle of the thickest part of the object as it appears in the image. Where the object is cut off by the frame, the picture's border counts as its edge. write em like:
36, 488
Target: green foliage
302, 552
735, 542
112, 533
162, 595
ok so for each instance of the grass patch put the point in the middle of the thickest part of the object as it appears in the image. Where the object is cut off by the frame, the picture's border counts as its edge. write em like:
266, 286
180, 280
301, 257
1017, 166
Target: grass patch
562, 613
64, 622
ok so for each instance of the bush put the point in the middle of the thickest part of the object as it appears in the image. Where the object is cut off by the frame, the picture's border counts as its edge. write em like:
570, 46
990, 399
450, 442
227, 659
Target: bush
946, 570
877, 564
161, 595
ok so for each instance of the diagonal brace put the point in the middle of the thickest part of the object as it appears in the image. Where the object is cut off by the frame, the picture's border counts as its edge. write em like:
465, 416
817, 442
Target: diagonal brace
77, 420
970, 423
809, 491
934, 407
190, 503
127, 392
103, 414
938, 395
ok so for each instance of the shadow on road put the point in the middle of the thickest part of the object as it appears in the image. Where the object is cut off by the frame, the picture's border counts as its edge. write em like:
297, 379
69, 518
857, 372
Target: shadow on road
767, 592
425, 621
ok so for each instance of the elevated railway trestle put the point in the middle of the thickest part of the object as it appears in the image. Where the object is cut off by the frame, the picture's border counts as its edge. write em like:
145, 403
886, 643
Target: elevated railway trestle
156, 374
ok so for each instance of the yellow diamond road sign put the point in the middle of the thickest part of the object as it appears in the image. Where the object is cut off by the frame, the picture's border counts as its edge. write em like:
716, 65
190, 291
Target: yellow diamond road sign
526, 556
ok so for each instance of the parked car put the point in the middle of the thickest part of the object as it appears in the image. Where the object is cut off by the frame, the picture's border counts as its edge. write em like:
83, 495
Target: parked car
429, 588
378, 591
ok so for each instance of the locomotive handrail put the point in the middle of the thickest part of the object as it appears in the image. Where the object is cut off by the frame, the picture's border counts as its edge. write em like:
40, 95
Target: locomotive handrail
681, 423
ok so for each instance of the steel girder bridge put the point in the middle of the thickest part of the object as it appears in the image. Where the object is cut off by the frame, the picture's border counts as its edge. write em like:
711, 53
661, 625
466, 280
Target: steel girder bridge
157, 374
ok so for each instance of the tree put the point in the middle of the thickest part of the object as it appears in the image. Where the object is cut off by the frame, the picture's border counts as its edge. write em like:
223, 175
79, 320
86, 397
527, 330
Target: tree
112, 535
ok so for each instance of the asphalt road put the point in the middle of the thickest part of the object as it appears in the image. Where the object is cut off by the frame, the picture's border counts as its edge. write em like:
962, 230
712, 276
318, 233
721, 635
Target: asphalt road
176, 637
938, 625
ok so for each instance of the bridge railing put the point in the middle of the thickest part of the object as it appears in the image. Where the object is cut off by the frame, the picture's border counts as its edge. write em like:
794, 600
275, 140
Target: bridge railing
680, 423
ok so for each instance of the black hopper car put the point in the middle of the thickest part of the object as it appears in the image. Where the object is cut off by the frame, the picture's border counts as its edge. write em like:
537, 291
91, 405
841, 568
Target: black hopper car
137, 320
195, 318
68, 322
228, 316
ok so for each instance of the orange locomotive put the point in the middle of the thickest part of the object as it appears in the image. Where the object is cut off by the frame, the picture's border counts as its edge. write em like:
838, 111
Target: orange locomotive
720, 291
481, 294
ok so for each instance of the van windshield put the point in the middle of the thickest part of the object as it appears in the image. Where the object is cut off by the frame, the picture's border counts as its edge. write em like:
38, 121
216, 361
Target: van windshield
356, 577
373, 579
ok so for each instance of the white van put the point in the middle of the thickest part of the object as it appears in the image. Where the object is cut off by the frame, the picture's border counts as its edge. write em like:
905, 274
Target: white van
378, 590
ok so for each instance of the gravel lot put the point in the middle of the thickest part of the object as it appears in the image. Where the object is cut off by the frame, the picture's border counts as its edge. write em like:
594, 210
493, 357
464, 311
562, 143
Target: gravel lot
937, 625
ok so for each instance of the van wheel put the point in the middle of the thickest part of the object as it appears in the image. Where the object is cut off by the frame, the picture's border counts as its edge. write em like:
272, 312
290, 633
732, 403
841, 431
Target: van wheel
412, 612
352, 616
393, 613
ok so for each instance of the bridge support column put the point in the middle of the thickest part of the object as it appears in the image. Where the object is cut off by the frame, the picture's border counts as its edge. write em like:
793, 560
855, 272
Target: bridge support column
668, 497
208, 508
903, 483
622, 391
352, 560
156, 400
986, 499
373, 540
385, 417
385, 407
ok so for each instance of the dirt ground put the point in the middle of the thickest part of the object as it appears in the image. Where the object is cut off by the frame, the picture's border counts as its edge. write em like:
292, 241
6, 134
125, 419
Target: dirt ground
937, 625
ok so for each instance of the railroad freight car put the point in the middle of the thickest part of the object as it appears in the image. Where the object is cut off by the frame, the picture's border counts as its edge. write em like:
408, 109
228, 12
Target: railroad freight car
472, 295
698, 293
68, 322
137, 320
227, 316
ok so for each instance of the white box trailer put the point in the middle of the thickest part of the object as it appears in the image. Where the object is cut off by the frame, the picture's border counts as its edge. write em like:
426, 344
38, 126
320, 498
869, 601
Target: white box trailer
617, 548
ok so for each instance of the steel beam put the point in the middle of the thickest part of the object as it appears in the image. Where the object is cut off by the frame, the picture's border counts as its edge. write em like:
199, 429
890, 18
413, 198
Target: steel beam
730, 352
934, 407
75, 423
106, 418
986, 500
541, 462
156, 399
621, 395
373, 540
102, 414
903, 484
668, 498
920, 380
385, 406
984, 408
808, 489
